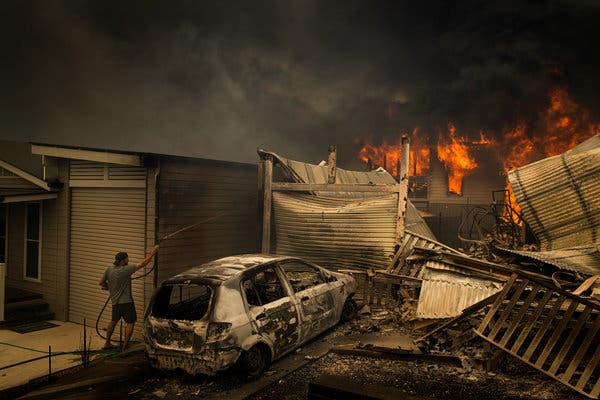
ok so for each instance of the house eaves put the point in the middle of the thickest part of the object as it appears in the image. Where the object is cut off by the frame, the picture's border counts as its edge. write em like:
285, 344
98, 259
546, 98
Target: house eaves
103, 156
25, 175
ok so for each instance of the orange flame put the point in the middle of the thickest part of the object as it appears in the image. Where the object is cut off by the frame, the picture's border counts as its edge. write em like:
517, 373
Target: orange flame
419, 154
518, 150
454, 154
388, 155
564, 126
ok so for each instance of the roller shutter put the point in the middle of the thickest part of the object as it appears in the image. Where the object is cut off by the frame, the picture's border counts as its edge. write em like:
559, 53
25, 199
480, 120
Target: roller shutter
103, 222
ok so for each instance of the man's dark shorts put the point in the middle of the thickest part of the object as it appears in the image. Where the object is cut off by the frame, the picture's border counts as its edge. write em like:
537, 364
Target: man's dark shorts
126, 310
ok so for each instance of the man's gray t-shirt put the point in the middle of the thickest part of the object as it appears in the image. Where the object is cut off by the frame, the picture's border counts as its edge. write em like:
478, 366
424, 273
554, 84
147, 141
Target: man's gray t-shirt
119, 283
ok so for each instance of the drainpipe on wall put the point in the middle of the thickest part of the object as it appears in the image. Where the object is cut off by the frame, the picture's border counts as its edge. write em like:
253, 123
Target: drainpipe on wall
156, 221
2, 283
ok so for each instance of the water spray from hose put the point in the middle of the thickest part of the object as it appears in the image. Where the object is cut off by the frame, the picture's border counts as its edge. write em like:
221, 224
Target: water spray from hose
166, 237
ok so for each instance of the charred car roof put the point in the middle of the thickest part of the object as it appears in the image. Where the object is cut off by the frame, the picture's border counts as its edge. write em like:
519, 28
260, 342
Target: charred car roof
218, 271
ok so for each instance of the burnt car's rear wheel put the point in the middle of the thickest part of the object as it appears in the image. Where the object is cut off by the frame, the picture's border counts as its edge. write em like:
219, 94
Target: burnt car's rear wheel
349, 311
255, 360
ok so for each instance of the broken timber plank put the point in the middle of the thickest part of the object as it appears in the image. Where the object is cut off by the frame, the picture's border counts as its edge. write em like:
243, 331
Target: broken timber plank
548, 328
267, 197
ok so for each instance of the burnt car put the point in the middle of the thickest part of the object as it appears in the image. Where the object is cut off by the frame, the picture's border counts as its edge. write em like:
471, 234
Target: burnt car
247, 310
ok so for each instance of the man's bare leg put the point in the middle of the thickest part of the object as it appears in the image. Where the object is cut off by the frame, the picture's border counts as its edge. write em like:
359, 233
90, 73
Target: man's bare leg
128, 333
109, 331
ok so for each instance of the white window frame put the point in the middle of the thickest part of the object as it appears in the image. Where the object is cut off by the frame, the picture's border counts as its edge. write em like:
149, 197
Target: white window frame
25, 240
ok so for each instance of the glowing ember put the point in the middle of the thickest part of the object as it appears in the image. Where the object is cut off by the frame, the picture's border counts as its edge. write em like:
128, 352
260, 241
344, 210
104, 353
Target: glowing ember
454, 154
483, 140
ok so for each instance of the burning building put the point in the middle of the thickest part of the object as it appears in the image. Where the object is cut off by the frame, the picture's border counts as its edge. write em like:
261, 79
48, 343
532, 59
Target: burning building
454, 172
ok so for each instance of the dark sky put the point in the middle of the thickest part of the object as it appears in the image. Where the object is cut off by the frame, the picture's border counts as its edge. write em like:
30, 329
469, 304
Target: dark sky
219, 79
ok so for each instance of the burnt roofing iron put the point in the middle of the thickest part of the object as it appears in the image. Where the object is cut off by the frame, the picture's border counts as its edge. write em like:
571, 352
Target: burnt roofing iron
303, 172
560, 196
585, 260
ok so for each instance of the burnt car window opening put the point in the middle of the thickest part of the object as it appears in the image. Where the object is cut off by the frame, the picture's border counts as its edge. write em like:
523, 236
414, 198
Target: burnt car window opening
263, 287
302, 276
185, 302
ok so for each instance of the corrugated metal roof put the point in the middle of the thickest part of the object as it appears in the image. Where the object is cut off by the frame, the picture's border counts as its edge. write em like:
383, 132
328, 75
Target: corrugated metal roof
445, 292
341, 233
560, 196
585, 260
591, 143
309, 173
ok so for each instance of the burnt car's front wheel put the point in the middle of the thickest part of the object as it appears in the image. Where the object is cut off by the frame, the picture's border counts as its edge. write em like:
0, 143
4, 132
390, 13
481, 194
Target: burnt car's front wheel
349, 311
255, 360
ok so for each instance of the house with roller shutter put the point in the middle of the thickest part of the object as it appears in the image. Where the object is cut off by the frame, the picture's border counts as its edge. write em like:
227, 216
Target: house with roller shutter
65, 212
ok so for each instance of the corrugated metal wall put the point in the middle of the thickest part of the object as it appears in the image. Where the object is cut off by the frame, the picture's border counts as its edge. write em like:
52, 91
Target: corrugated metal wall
191, 191
559, 197
339, 233
446, 291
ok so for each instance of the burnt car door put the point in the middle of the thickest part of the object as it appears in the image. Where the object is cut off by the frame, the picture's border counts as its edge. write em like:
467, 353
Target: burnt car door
271, 309
314, 295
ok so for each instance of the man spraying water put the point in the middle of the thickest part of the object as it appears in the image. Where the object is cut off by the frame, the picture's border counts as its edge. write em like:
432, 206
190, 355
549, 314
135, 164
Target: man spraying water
117, 279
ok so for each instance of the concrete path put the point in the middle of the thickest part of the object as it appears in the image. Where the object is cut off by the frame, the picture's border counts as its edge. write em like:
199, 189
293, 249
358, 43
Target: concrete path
17, 347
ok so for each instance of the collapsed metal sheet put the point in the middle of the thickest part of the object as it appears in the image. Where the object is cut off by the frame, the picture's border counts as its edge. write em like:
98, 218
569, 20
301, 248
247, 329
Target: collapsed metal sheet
340, 233
302, 172
560, 196
446, 290
585, 260
410, 241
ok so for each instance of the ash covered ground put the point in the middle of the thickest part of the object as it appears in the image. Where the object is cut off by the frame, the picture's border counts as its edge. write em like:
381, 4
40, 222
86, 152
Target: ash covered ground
417, 378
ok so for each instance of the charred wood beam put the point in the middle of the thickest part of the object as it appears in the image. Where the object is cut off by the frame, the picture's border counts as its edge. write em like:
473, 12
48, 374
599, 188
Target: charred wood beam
403, 194
267, 197
331, 164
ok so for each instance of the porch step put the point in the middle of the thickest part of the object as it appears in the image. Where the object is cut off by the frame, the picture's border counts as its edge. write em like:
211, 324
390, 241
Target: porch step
26, 311
14, 295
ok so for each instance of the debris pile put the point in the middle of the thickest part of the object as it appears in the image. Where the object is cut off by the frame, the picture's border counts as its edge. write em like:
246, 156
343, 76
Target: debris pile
540, 306
537, 301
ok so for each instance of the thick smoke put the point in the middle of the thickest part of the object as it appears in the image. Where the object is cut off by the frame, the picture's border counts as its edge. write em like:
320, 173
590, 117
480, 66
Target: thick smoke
219, 80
